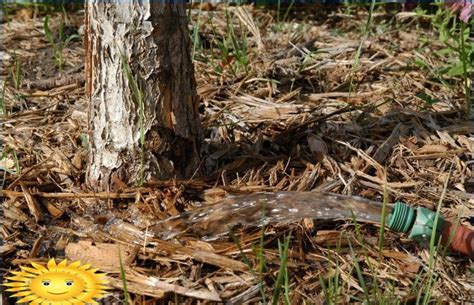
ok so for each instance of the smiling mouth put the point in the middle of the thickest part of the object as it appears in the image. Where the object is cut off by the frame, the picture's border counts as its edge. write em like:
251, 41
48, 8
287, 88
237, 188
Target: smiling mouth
57, 293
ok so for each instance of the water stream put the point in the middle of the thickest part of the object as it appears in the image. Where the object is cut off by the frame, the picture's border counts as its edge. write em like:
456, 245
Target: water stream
213, 221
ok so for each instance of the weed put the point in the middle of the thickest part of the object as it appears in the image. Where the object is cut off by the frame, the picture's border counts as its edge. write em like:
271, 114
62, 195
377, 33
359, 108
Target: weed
233, 49
282, 282
437, 73
195, 33
452, 234
360, 239
359, 273
457, 51
17, 162
381, 296
260, 260
6, 11
124, 280
38, 8
238, 46
366, 32
434, 241
465, 55
16, 74
278, 26
384, 215
333, 289
58, 44
308, 58
3, 101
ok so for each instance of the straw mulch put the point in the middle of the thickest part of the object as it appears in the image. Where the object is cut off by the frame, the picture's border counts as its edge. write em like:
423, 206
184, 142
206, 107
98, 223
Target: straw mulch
303, 116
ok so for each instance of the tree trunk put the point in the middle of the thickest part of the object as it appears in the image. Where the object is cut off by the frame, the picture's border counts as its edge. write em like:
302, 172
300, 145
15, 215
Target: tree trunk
143, 115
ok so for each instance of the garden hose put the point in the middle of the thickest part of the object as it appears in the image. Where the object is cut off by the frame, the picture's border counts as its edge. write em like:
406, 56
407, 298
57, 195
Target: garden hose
420, 224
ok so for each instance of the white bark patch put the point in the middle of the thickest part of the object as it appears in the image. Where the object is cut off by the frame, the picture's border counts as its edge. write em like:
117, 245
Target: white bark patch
122, 29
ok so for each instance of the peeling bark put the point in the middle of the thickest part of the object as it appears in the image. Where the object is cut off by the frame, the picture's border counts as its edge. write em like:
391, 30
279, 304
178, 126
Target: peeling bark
152, 38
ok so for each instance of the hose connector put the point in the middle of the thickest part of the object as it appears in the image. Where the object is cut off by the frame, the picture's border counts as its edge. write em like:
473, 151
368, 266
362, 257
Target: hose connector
402, 218
419, 222
424, 226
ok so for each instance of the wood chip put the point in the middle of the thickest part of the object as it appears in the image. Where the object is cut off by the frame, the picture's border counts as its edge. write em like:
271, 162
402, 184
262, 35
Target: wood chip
101, 255
151, 283
33, 205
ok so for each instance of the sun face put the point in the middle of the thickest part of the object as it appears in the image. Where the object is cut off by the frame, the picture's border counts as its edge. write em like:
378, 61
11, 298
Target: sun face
57, 284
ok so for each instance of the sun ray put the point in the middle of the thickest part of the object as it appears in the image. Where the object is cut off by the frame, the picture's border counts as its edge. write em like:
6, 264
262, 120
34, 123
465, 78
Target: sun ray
18, 279
17, 289
39, 267
63, 263
76, 301
31, 270
51, 264
22, 294
24, 274
28, 298
36, 302
15, 284
75, 264
85, 266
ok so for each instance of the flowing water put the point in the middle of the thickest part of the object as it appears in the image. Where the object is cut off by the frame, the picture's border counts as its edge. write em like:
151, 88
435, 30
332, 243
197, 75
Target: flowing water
213, 221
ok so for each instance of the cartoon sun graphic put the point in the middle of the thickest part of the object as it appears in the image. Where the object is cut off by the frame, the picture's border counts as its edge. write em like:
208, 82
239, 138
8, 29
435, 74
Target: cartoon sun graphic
57, 284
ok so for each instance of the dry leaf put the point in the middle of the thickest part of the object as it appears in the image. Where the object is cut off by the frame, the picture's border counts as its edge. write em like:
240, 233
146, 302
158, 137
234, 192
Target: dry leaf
432, 148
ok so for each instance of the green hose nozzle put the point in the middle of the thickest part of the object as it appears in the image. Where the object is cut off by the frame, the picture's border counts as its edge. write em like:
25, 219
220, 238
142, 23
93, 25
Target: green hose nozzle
418, 222
402, 218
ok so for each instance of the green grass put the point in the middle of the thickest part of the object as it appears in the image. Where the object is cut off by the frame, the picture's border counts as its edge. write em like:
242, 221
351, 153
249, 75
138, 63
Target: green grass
456, 54
457, 223
126, 296
195, 32
372, 271
465, 55
260, 254
282, 281
333, 289
60, 43
17, 162
384, 216
365, 33
278, 26
434, 242
360, 276
4, 101
16, 74
232, 48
